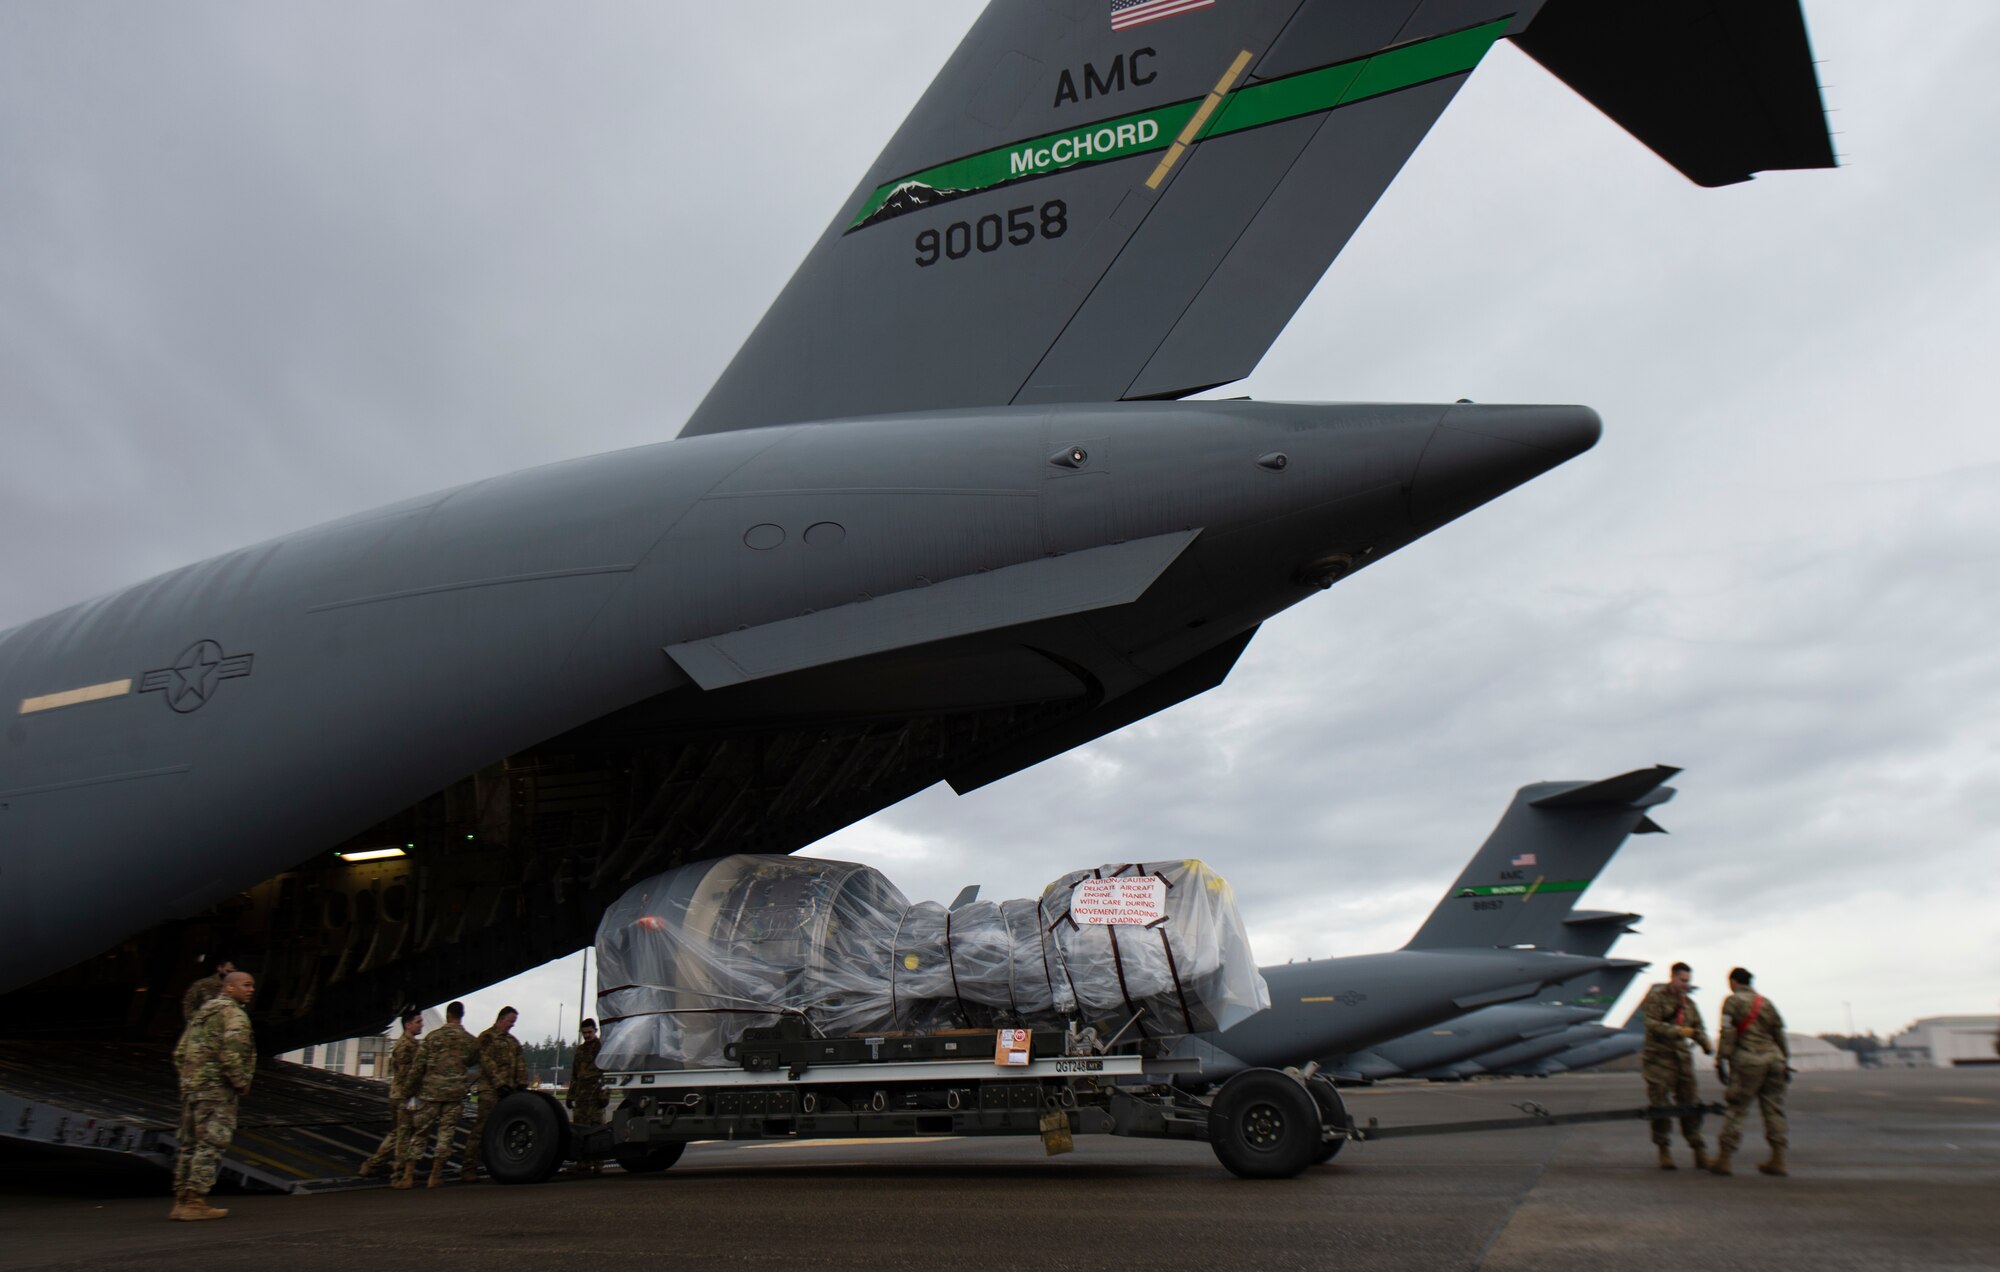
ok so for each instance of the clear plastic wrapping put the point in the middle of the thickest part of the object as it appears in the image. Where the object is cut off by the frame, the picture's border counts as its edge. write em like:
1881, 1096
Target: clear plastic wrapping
689, 959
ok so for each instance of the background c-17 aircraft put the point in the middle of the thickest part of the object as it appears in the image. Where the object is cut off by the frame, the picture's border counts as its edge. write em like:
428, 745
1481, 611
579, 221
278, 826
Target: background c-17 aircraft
1504, 932
941, 518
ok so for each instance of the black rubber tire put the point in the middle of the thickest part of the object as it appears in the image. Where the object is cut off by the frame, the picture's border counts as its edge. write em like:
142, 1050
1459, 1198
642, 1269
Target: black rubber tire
645, 1159
526, 1138
1334, 1110
1264, 1125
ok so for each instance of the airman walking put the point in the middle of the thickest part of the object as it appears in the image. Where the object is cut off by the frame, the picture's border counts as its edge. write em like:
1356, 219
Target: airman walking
1672, 1022
586, 1092
439, 1079
1753, 1056
395, 1146
216, 1058
501, 1069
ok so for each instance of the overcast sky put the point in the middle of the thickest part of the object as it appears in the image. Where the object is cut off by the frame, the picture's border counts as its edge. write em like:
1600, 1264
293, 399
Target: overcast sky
264, 265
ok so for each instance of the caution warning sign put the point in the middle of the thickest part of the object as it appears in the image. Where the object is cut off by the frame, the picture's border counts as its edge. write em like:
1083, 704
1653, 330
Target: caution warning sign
1105, 902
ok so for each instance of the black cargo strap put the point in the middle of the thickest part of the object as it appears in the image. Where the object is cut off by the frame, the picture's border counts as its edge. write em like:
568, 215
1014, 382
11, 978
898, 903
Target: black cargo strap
1173, 967
1070, 919
951, 965
895, 961
1124, 990
1048, 977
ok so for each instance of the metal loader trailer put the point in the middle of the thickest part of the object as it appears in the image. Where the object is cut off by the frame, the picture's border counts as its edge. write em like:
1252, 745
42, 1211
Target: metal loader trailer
1261, 1123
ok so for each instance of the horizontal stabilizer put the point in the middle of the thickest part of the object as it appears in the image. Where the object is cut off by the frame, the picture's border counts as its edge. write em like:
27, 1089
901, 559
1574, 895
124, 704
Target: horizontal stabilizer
1636, 788
1622, 920
1051, 587
1720, 89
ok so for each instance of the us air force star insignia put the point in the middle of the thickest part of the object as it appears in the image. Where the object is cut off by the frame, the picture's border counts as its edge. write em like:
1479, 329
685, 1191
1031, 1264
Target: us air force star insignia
192, 680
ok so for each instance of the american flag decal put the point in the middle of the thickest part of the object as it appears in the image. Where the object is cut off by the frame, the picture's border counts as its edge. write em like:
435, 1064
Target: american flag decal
1131, 13
1525, 859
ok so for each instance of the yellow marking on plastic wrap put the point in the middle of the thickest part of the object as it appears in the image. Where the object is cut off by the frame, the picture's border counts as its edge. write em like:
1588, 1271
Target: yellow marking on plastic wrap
71, 697
1199, 120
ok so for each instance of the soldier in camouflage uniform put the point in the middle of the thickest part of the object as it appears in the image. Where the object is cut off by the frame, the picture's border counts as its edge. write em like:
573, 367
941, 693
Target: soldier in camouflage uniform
586, 1091
204, 989
395, 1146
439, 1079
1753, 1056
216, 1057
501, 1069
1672, 1021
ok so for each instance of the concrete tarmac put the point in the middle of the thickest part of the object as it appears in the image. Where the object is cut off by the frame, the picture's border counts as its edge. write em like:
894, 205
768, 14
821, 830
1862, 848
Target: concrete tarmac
1889, 1171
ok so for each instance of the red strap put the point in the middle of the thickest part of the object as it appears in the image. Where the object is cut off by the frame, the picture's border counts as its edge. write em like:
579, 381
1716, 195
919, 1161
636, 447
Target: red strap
1755, 1007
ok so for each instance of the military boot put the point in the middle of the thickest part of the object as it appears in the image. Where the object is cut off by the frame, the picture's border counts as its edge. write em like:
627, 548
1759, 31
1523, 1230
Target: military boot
370, 1166
437, 1174
405, 1177
1667, 1158
1720, 1166
1776, 1166
196, 1207
180, 1210
1700, 1157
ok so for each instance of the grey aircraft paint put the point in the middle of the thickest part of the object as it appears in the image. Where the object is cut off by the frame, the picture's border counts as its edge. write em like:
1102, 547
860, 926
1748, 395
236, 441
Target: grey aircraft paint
1608, 1046
1499, 935
542, 686
1544, 1029
1474, 1035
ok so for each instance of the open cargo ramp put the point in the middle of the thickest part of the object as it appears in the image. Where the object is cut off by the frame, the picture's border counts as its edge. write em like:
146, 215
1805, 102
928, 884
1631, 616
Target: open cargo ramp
299, 1130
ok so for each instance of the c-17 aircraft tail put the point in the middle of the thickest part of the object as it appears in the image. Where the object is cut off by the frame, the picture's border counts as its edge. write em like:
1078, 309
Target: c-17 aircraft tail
1128, 199
1523, 884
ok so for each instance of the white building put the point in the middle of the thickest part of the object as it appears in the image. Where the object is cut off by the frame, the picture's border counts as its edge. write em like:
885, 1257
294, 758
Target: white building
1817, 1055
365, 1057
1950, 1039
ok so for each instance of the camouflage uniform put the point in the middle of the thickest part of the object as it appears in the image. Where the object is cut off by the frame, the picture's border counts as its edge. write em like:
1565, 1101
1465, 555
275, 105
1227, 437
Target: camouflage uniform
1752, 1039
501, 1066
1668, 1067
201, 991
586, 1090
438, 1077
216, 1057
395, 1146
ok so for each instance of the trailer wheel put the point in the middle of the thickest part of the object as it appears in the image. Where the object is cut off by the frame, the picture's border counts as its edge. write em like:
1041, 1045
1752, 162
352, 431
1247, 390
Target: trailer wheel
525, 1139
1264, 1125
645, 1159
1334, 1110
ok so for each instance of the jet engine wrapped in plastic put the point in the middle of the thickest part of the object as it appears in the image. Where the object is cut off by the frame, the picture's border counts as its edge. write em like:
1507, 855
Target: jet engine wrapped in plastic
691, 958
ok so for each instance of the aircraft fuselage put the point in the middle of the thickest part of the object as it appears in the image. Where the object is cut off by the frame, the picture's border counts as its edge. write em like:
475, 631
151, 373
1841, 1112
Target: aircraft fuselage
173, 744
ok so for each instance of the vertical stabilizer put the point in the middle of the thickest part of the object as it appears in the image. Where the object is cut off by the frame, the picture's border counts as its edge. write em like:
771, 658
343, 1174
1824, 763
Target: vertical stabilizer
1525, 880
1089, 205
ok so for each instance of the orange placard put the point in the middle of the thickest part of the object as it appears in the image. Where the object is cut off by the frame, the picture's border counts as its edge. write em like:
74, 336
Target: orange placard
1010, 1046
